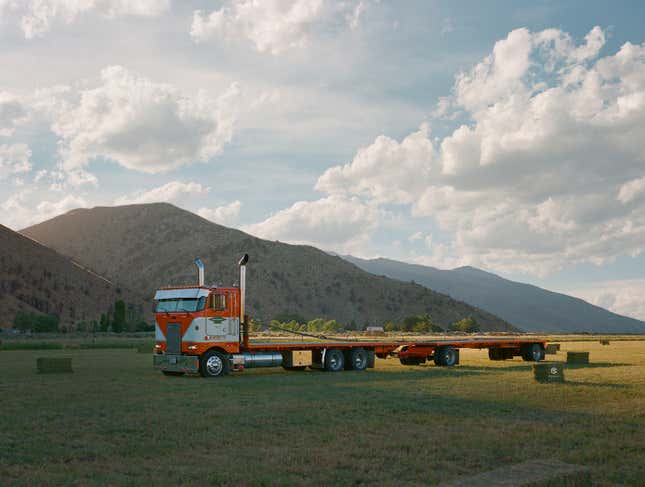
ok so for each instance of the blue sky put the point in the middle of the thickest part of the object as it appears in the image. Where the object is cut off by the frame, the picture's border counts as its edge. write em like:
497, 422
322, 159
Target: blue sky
505, 135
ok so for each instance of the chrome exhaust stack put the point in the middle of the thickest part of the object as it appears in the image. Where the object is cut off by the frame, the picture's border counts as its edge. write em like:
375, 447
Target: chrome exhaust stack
200, 272
243, 322
242, 264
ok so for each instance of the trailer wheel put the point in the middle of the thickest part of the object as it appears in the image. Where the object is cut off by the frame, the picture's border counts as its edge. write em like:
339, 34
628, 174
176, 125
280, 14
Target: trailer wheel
445, 356
356, 360
213, 364
334, 360
533, 352
172, 373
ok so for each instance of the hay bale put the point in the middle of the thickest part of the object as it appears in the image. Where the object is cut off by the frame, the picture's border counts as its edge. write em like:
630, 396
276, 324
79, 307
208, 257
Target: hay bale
547, 372
604, 342
577, 357
54, 365
542, 473
552, 348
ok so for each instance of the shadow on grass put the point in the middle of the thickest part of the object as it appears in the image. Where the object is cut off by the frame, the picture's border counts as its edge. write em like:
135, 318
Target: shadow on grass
528, 366
596, 384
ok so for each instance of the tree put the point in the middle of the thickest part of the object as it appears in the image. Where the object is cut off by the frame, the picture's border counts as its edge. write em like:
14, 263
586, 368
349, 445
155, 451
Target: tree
466, 325
37, 323
119, 316
104, 323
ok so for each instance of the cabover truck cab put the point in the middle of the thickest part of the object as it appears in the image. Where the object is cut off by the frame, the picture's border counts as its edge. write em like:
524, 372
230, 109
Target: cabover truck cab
200, 329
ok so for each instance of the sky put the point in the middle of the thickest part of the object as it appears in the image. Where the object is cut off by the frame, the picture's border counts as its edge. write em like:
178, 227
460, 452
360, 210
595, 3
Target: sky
505, 135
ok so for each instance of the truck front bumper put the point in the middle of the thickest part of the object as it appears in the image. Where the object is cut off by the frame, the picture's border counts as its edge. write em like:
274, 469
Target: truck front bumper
176, 363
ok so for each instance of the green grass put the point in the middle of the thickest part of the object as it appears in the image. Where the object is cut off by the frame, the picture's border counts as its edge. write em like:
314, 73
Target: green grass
116, 421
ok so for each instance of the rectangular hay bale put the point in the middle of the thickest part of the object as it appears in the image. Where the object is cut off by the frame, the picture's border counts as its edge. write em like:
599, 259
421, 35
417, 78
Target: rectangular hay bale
54, 365
577, 357
547, 372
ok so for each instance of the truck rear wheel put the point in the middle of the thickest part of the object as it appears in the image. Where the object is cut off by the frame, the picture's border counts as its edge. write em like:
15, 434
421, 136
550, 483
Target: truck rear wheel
445, 356
213, 364
356, 359
334, 360
533, 352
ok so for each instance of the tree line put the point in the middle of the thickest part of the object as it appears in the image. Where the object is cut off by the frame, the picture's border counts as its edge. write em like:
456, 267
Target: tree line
117, 319
415, 323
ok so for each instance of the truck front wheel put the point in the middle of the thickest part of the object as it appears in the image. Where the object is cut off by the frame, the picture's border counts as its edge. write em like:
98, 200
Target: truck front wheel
213, 364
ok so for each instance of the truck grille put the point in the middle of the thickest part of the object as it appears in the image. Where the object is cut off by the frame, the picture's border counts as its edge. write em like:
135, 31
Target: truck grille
173, 338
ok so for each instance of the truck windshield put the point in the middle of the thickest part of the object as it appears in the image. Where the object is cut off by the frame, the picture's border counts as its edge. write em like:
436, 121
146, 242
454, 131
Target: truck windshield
173, 305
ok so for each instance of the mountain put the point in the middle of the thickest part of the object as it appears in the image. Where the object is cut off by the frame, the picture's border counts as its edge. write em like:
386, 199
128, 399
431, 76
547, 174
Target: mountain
34, 278
529, 307
148, 246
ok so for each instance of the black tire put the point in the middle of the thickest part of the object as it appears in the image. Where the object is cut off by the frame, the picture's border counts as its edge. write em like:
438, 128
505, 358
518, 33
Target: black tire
214, 364
496, 354
356, 359
334, 360
172, 373
445, 356
297, 368
533, 352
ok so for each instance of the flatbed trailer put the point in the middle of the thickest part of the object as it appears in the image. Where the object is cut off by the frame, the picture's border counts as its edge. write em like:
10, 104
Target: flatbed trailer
205, 330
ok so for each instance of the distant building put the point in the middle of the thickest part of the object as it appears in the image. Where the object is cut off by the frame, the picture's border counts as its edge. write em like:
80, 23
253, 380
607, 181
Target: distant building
375, 330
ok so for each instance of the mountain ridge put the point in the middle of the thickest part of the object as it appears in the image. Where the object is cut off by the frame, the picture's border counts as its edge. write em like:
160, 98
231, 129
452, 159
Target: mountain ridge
529, 307
160, 242
36, 279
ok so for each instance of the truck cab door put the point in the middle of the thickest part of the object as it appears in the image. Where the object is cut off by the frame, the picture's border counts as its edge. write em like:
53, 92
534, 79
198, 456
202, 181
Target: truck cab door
220, 325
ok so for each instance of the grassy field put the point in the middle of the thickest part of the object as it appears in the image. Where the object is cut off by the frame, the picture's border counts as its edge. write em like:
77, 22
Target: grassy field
116, 421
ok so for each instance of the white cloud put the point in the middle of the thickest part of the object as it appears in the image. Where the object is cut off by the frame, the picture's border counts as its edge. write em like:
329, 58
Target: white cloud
332, 223
142, 125
14, 159
37, 17
387, 170
18, 213
624, 297
354, 18
632, 190
12, 112
170, 192
541, 174
223, 215
274, 26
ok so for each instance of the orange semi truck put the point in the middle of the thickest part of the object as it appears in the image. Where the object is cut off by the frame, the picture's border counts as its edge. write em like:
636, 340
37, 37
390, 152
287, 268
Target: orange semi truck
205, 330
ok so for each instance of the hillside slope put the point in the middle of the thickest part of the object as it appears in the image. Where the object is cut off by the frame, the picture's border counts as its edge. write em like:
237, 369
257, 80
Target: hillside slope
529, 307
147, 246
34, 278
